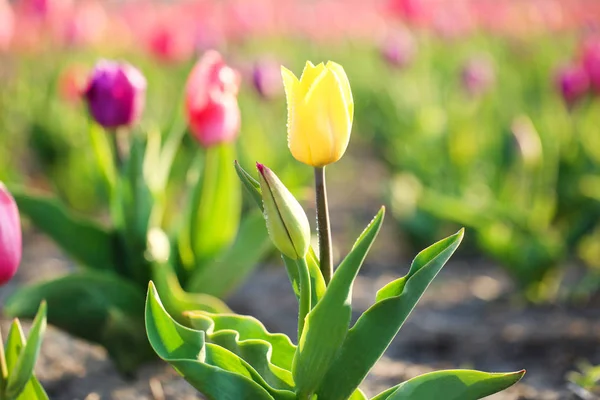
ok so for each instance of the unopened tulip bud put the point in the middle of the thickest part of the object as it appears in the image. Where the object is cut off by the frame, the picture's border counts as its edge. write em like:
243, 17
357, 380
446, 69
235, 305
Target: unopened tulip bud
10, 236
211, 101
573, 83
320, 112
115, 94
286, 221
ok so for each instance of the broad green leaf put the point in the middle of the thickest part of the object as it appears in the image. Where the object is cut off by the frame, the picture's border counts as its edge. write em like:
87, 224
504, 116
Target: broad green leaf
386, 393
368, 339
222, 276
358, 395
454, 385
317, 282
251, 185
21, 371
327, 324
95, 306
248, 328
84, 240
15, 342
214, 371
216, 204
176, 300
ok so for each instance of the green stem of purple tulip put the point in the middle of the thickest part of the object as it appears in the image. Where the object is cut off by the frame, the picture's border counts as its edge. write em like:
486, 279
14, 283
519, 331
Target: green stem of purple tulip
117, 150
323, 225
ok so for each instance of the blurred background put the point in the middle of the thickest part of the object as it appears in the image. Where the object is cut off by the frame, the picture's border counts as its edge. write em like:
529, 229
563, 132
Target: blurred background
475, 113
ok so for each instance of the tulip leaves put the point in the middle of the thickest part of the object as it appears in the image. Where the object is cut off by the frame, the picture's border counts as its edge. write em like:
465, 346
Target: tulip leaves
17, 360
327, 324
376, 328
84, 240
451, 385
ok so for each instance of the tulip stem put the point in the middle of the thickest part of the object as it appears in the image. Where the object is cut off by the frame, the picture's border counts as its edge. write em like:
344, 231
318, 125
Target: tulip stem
305, 294
118, 150
323, 225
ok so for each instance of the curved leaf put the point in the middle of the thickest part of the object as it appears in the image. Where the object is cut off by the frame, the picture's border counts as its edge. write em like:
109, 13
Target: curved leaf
84, 240
176, 300
213, 370
368, 339
327, 324
454, 385
95, 306
247, 327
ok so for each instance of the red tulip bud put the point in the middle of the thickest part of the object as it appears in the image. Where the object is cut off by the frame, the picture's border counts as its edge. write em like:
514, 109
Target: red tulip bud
10, 236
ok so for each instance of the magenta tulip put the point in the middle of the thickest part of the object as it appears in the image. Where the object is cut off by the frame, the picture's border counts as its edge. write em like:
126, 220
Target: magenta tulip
573, 83
115, 94
590, 58
211, 101
10, 236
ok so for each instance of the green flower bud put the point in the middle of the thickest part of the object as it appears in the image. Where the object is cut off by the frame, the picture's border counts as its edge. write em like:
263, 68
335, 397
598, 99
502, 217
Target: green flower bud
286, 221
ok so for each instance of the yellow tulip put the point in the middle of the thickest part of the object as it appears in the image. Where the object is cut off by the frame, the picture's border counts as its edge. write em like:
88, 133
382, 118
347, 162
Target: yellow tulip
320, 111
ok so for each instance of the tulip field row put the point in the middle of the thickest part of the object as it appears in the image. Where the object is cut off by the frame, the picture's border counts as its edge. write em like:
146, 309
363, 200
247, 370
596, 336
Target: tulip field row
170, 149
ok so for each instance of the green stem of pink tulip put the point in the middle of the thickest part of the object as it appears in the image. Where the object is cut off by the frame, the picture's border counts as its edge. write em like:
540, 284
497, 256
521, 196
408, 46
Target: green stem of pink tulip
323, 225
117, 150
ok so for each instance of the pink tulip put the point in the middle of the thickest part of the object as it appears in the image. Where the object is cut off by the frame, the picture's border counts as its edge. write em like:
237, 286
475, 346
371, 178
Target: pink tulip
10, 236
399, 48
7, 24
211, 100
573, 83
478, 75
590, 58
266, 78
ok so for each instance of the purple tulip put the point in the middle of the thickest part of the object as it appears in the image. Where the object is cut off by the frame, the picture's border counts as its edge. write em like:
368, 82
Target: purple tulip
573, 83
478, 75
399, 48
115, 94
266, 77
10, 236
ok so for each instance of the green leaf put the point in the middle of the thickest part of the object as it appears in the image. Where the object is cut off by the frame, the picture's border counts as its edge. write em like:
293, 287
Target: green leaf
216, 204
317, 282
222, 276
368, 339
250, 184
82, 239
176, 300
358, 395
98, 307
248, 328
327, 324
214, 371
21, 371
16, 341
454, 385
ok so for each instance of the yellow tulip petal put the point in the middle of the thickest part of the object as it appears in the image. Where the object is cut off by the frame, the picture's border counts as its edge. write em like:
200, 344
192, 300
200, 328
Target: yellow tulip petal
310, 75
324, 114
338, 70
